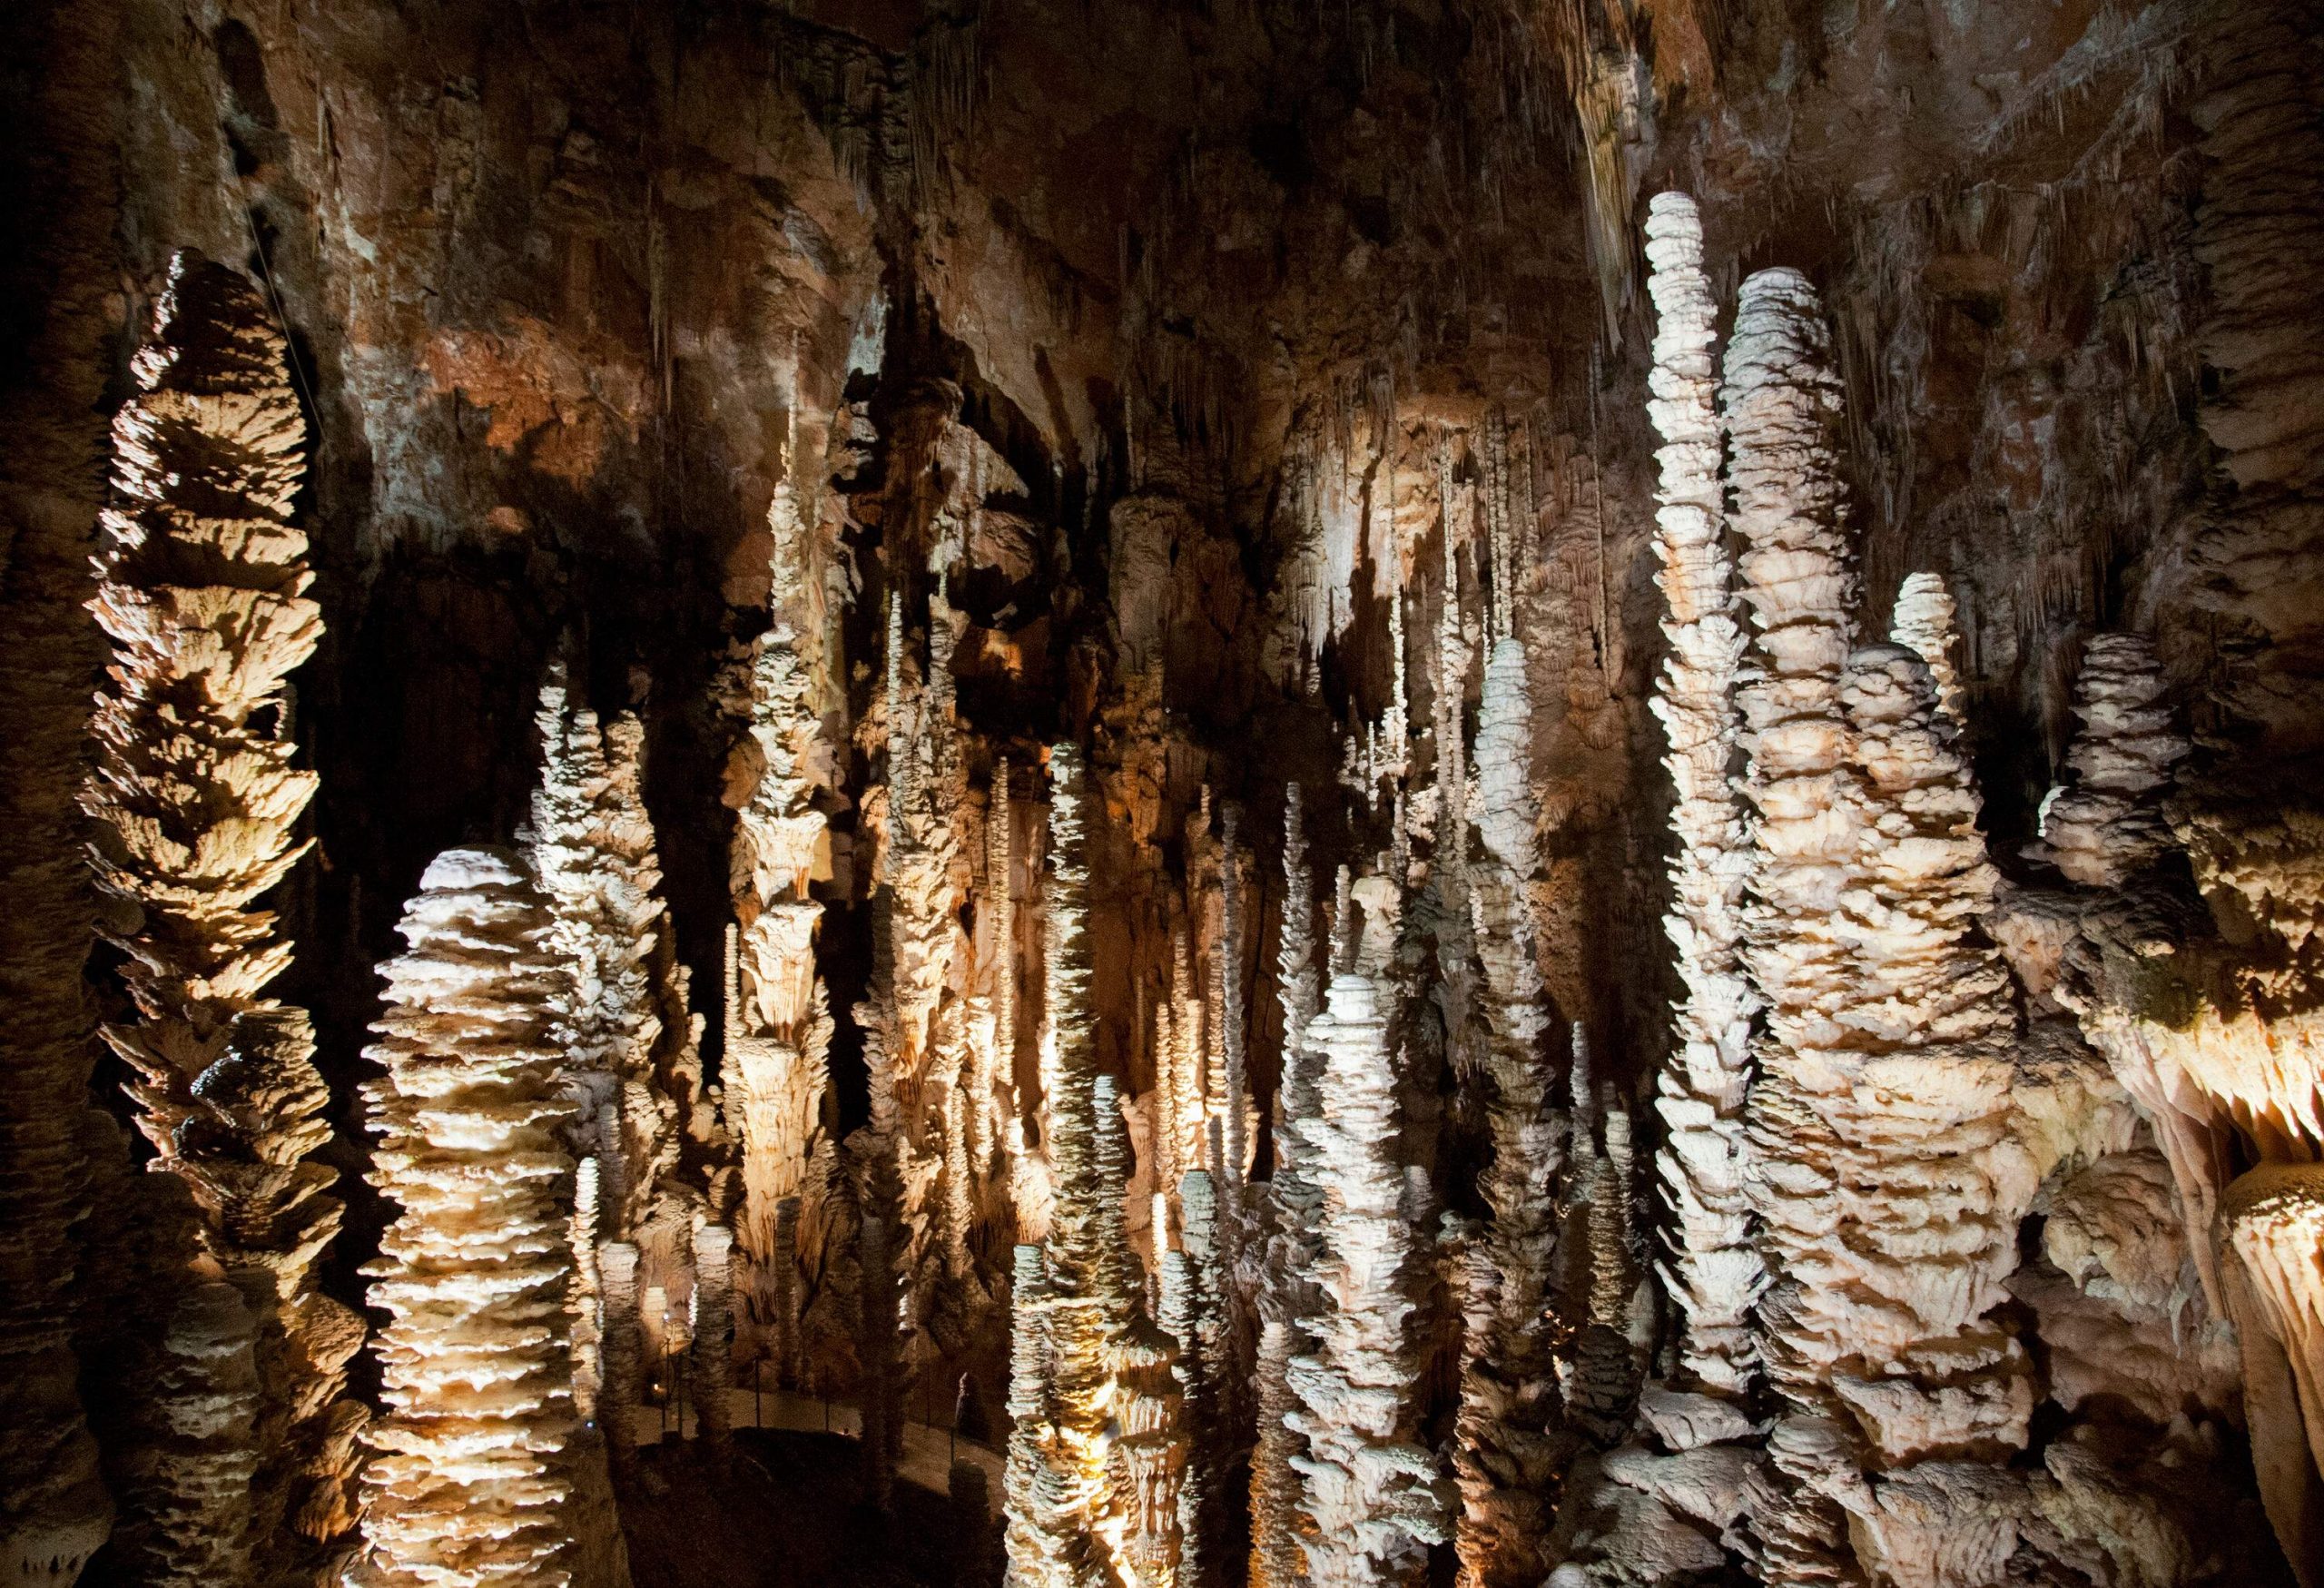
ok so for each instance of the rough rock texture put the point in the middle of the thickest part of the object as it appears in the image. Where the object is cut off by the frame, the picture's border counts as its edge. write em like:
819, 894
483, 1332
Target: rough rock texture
1779, 402
2107, 824
468, 1479
203, 588
1376, 1496
1714, 1273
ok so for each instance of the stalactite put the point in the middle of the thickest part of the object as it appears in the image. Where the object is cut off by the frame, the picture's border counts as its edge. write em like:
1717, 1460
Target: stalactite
1780, 403
1376, 1496
1506, 1454
202, 583
468, 1480
1714, 1271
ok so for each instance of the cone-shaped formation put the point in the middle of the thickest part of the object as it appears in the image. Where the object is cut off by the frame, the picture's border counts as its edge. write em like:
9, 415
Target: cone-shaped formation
2107, 824
1924, 625
1376, 1495
1714, 1272
467, 1484
1296, 1198
201, 586
778, 1029
1505, 1450
1781, 401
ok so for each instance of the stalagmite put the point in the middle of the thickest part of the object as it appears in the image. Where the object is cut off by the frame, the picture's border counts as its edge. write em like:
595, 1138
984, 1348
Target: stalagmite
1780, 403
467, 1482
1377, 1497
2107, 824
778, 1026
1713, 1270
713, 1365
1289, 1299
202, 587
1048, 1544
623, 1349
1505, 1451
190, 1518
1924, 625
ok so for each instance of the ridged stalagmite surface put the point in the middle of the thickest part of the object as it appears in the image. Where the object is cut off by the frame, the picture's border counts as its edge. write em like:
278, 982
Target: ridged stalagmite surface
1781, 402
467, 1483
1714, 1271
1377, 1497
202, 588
1924, 623
1506, 1454
778, 1019
2107, 822
1289, 1300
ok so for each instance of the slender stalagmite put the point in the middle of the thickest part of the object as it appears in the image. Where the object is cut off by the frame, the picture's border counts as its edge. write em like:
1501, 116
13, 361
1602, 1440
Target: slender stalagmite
1506, 1454
1714, 1271
778, 1019
467, 1480
1376, 1495
1781, 403
1277, 1525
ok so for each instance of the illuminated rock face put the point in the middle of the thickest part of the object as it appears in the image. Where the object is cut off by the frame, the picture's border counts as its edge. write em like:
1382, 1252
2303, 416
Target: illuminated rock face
1715, 1270
467, 1480
202, 588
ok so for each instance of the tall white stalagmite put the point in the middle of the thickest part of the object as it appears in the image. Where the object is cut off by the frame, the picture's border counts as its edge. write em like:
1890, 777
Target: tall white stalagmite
1781, 403
1714, 1272
1080, 1309
1903, 1293
1506, 1454
1232, 1104
778, 1024
202, 583
468, 1483
1376, 1495
713, 1364
1289, 1299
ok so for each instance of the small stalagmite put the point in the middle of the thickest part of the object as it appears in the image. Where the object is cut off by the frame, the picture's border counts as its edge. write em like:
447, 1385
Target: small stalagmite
467, 1479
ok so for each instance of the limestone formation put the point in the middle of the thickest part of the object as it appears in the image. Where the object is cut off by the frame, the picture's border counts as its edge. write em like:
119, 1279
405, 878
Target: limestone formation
1506, 1449
1376, 1496
2108, 824
778, 1026
467, 1480
195, 801
1780, 402
1714, 1271
1924, 625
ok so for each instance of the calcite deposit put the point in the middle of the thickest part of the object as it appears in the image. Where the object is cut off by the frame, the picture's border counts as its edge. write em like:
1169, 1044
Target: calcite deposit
1162, 795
